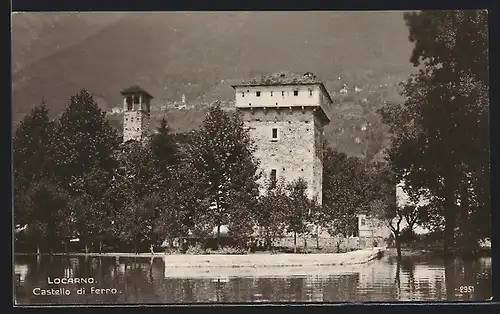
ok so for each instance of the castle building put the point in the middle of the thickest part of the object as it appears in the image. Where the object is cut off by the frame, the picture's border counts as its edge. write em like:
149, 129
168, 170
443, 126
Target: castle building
136, 113
286, 114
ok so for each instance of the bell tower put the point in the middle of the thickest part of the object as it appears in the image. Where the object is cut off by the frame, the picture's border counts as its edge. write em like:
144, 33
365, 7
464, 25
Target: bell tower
136, 113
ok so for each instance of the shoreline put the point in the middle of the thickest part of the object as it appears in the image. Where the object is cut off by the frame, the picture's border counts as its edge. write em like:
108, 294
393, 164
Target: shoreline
272, 260
388, 251
118, 254
240, 260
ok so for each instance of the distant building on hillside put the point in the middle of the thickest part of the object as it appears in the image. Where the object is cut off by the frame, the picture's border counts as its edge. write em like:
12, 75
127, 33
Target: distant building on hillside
344, 90
286, 114
136, 113
116, 110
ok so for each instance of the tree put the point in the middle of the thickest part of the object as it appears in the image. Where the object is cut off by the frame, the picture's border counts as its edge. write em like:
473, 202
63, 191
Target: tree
45, 213
164, 147
271, 213
134, 196
223, 155
134, 222
344, 192
440, 142
385, 206
31, 144
90, 211
183, 209
31, 158
300, 210
84, 140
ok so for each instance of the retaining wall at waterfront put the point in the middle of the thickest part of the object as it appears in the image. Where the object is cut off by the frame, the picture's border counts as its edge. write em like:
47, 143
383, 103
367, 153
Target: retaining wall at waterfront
272, 260
266, 265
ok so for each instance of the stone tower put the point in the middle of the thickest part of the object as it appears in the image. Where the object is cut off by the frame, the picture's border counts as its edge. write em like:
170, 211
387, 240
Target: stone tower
136, 113
286, 114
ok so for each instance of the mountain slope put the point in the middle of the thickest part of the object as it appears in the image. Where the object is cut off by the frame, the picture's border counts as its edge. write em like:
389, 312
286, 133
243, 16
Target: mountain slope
171, 54
40, 34
200, 54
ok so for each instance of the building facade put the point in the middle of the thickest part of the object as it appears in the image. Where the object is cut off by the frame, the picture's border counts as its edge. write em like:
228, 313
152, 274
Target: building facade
136, 113
286, 114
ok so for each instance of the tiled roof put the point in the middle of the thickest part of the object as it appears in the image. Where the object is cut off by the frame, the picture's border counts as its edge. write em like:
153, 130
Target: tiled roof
135, 89
282, 78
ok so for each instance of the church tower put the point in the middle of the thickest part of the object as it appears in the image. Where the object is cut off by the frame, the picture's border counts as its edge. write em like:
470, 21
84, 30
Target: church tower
286, 114
136, 113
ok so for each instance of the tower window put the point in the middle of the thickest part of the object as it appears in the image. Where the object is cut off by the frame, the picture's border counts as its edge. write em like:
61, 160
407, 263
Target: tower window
257, 94
131, 119
295, 93
129, 103
273, 178
275, 134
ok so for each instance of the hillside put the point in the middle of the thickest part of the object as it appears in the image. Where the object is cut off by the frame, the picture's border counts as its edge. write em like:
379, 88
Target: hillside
38, 35
202, 54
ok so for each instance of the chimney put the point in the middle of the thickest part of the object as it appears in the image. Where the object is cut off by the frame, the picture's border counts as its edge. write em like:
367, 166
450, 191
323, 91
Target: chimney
309, 75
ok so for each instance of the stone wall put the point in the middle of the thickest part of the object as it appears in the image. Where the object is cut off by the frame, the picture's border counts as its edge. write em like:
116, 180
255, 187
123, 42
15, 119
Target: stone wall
318, 159
327, 244
135, 125
294, 153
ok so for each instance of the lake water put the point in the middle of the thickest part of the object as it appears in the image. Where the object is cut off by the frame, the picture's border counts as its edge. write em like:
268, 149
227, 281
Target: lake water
145, 280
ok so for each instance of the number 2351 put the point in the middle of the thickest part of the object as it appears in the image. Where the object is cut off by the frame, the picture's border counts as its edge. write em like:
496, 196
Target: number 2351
466, 289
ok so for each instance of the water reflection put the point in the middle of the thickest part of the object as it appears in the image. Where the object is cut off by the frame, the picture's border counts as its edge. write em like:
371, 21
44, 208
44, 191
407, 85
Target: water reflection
144, 280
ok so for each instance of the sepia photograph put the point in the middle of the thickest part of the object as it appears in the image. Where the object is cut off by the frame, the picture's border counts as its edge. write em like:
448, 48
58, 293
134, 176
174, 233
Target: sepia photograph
250, 157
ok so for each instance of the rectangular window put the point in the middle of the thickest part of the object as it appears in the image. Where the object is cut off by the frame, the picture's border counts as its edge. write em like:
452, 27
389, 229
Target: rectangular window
283, 93
310, 92
242, 94
273, 178
129, 103
295, 93
275, 134
257, 94
271, 94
